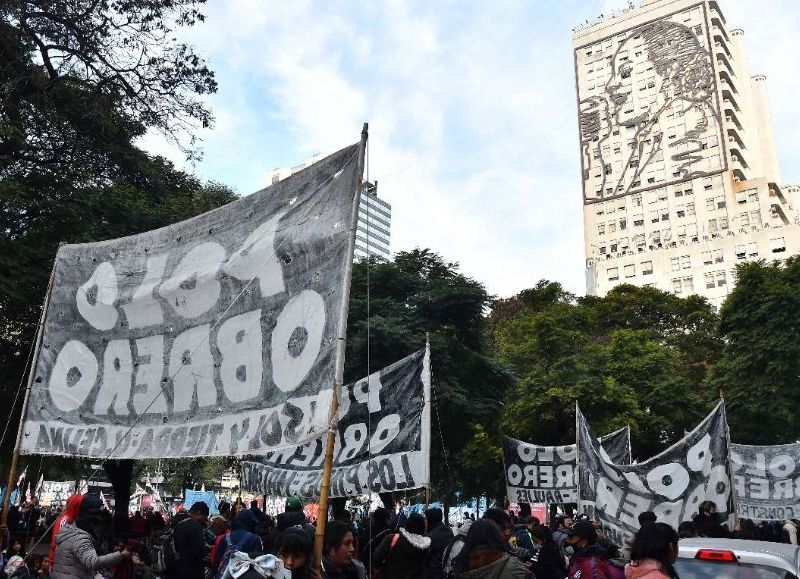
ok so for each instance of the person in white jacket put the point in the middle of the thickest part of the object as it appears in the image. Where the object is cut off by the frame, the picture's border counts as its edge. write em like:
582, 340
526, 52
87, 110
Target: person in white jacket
791, 528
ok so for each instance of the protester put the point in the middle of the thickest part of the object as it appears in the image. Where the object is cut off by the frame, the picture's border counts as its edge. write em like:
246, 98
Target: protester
503, 520
548, 562
372, 535
687, 530
455, 548
75, 556
71, 511
137, 524
789, 534
563, 524
587, 557
707, 523
339, 547
404, 555
15, 549
524, 535
653, 553
647, 518
485, 555
190, 543
13, 565
441, 536
295, 548
241, 539
745, 529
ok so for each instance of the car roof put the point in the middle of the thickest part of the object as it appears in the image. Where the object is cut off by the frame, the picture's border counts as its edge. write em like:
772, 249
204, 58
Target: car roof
758, 552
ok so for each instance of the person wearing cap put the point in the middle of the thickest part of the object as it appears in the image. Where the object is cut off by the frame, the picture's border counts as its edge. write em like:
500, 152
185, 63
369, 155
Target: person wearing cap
588, 559
190, 543
75, 554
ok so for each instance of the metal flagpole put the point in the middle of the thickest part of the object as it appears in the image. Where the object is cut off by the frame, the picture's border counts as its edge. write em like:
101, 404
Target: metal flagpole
325, 486
12, 472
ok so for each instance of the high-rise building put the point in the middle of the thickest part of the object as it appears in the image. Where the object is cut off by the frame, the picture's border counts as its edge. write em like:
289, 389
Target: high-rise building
373, 234
679, 169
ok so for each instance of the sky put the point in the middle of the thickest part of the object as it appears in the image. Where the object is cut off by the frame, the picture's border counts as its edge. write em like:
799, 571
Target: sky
473, 132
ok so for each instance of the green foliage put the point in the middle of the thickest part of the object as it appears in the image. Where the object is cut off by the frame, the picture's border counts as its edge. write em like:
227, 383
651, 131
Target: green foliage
759, 369
393, 305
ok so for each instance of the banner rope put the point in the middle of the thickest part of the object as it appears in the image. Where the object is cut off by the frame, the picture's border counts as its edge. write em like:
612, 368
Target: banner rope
220, 319
435, 401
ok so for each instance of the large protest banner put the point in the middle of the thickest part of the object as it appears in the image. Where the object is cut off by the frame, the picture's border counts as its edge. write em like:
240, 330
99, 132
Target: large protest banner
382, 442
213, 336
671, 484
548, 474
766, 481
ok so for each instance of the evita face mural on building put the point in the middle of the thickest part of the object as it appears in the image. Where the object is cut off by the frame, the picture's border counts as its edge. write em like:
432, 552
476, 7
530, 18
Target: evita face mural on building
649, 115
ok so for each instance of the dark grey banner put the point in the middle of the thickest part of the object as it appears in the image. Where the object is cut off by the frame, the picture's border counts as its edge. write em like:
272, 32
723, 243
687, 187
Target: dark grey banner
213, 336
671, 484
766, 481
548, 474
382, 442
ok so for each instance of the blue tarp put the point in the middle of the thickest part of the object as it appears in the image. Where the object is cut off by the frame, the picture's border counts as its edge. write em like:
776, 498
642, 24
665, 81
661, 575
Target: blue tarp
208, 497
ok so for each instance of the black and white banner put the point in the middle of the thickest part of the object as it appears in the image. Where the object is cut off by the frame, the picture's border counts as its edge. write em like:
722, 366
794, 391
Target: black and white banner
766, 481
671, 484
548, 474
382, 440
213, 336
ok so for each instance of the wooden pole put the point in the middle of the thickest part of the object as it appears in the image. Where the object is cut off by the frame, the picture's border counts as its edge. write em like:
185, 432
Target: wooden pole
12, 471
325, 486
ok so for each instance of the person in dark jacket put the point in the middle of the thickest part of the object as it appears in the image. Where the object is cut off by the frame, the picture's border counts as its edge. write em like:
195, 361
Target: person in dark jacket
190, 543
403, 555
548, 562
339, 549
706, 522
373, 533
241, 538
486, 556
441, 536
524, 534
295, 549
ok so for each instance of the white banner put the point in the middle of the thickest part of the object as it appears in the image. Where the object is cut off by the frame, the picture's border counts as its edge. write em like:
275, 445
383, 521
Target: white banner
215, 336
766, 481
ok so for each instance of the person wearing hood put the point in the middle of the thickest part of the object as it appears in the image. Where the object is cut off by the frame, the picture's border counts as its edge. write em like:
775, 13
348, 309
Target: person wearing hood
75, 554
404, 555
587, 557
241, 538
653, 552
71, 512
441, 537
486, 555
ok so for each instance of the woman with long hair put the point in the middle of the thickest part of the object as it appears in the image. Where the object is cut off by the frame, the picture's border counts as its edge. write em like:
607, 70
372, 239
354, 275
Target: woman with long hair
653, 552
486, 556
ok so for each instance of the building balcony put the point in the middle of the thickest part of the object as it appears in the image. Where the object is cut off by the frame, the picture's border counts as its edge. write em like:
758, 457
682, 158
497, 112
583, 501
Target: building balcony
738, 159
738, 175
732, 118
716, 24
722, 44
726, 80
777, 212
727, 97
734, 137
716, 11
724, 61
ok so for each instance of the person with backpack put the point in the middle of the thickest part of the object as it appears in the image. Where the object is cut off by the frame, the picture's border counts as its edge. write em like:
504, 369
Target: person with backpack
75, 555
455, 548
241, 539
403, 555
587, 557
188, 542
486, 555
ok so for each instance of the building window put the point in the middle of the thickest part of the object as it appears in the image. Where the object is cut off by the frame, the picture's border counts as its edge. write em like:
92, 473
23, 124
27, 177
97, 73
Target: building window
707, 260
608, 169
654, 217
601, 228
752, 249
623, 224
637, 200
741, 197
718, 256
752, 195
741, 251
709, 279
677, 285
690, 209
678, 194
647, 268
688, 285
721, 279
721, 202
687, 192
712, 225
630, 271
603, 249
710, 204
744, 219
686, 262
777, 244
675, 262
680, 211
613, 273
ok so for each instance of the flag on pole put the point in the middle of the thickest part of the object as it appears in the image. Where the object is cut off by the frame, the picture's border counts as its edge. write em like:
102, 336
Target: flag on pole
39, 485
22, 477
28, 496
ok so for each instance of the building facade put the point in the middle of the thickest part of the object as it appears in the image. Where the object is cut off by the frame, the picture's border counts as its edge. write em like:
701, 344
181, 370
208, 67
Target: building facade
679, 169
373, 235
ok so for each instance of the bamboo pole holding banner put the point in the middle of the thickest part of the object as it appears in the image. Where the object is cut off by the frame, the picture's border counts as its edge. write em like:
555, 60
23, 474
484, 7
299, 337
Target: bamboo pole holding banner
325, 486
12, 471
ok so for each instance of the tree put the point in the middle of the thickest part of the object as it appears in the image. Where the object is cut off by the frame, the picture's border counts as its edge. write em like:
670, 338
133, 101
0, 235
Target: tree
393, 305
758, 368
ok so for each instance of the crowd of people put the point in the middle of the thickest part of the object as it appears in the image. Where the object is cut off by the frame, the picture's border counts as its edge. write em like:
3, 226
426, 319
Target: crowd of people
242, 542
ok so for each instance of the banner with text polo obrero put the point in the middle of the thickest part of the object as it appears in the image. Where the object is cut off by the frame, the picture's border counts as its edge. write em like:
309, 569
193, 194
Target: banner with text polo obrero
547, 474
766, 481
382, 440
214, 336
671, 484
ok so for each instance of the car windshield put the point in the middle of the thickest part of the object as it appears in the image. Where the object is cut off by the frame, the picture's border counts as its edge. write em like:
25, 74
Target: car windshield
697, 569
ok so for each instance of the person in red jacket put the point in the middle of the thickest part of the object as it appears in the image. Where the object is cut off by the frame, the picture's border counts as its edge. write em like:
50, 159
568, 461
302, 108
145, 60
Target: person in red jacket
71, 512
588, 559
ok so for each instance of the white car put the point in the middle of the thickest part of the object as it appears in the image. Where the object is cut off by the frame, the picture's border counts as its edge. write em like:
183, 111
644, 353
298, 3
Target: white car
702, 558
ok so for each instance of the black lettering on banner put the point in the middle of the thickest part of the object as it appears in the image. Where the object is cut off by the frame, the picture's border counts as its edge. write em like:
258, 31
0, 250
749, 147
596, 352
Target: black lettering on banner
410, 484
237, 433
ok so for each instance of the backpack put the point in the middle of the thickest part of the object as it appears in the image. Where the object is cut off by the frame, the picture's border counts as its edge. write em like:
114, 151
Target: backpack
164, 557
230, 549
447, 561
